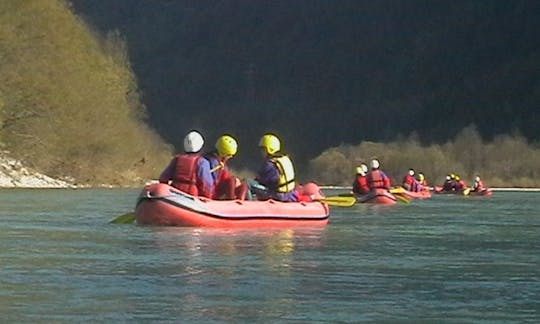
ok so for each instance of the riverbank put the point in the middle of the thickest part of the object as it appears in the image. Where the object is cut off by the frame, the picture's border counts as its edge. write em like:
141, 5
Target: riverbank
14, 175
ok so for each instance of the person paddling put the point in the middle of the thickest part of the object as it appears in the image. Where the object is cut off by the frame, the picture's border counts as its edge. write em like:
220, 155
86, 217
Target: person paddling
276, 177
226, 185
478, 185
360, 185
376, 178
410, 183
188, 172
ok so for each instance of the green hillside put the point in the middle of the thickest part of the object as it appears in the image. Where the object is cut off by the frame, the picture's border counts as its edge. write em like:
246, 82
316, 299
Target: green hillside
69, 103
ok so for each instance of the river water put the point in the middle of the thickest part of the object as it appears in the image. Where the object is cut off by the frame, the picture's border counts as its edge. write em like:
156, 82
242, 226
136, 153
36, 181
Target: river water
446, 259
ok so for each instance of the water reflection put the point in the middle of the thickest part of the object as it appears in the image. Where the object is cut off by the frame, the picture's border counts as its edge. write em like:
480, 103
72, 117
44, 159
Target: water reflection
232, 265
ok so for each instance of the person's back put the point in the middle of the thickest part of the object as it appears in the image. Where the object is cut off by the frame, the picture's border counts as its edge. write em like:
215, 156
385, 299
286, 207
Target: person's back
448, 184
459, 184
423, 181
360, 185
478, 184
186, 171
409, 181
226, 185
376, 178
276, 177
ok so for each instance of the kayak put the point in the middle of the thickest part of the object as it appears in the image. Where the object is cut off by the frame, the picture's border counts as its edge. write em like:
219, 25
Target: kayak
377, 196
161, 204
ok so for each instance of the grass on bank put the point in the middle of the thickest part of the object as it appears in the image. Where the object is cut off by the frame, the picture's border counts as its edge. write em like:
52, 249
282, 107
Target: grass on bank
69, 103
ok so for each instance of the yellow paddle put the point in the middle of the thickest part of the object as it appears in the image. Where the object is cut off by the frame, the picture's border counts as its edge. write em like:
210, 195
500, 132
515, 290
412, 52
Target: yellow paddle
127, 218
402, 198
339, 201
397, 190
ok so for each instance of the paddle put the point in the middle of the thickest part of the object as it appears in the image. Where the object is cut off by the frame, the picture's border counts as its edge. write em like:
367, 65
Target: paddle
339, 201
402, 198
127, 218
397, 190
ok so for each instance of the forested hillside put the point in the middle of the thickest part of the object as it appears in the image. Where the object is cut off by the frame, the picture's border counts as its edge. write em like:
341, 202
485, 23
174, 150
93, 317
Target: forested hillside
69, 102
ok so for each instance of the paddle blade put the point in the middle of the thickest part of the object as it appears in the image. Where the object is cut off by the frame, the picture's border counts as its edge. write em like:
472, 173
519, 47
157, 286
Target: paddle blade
397, 190
466, 191
339, 201
127, 218
402, 198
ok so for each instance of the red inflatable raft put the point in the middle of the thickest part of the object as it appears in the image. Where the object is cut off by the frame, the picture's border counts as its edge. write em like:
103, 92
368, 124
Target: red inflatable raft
486, 192
161, 204
423, 194
377, 196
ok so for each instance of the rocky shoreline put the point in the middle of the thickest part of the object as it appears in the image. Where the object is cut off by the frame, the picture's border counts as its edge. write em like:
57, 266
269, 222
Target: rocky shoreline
14, 175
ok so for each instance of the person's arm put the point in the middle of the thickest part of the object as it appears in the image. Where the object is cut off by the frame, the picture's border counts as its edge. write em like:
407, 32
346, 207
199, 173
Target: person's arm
167, 173
268, 175
205, 181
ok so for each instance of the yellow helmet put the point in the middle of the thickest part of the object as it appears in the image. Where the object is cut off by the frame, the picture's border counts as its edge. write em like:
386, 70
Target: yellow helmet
421, 176
226, 146
270, 143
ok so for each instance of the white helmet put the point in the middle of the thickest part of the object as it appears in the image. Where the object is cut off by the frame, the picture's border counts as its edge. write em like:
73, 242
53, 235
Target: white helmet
375, 164
411, 172
364, 167
477, 179
193, 142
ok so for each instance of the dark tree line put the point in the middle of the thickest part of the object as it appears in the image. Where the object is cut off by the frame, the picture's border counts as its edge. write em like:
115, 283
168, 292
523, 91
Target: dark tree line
321, 73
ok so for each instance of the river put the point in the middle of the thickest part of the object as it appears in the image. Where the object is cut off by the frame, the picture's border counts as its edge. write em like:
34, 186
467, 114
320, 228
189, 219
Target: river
446, 259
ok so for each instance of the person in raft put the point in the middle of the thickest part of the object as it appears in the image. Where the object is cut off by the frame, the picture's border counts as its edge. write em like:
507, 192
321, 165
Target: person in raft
459, 184
423, 181
275, 178
189, 172
376, 178
478, 185
410, 183
309, 192
449, 183
226, 185
360, 185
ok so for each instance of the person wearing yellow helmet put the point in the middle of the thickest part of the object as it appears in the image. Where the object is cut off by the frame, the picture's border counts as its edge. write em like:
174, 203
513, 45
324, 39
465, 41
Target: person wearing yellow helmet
360, 185
276, 177
422, 181
187, 171
459, 184
226, 185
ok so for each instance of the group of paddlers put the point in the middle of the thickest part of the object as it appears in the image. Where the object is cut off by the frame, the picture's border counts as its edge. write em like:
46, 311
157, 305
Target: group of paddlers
207, 174
369, 179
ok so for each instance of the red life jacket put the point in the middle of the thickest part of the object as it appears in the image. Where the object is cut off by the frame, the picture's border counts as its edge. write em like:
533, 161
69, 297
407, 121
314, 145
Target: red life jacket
185, 173
376, 179
361, 184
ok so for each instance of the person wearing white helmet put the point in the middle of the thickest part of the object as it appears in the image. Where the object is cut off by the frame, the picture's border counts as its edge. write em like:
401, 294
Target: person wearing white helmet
360, 185
187, 171
377, 178
478, 184
409, 181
